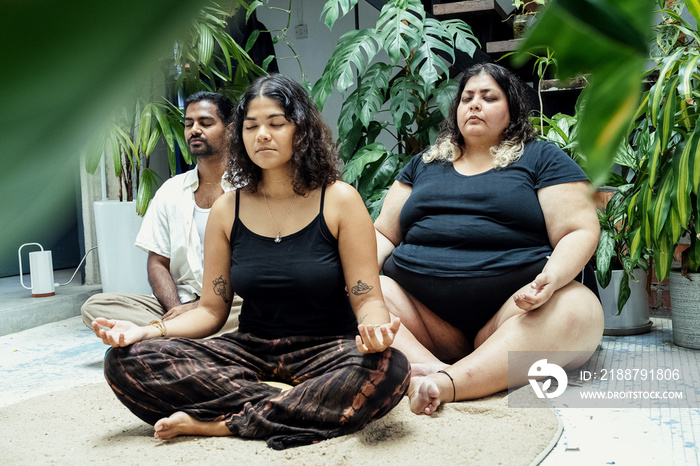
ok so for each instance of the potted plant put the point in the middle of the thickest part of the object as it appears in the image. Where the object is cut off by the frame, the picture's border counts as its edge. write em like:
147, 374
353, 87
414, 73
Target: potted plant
622, 282
403, 101
206, 57
664, 206
524, 15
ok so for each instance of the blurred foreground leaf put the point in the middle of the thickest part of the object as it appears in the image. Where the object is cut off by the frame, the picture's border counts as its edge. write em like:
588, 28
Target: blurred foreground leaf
608, 40
65, 67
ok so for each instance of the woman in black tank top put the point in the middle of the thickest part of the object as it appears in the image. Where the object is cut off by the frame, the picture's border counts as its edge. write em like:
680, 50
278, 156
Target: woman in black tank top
297, 244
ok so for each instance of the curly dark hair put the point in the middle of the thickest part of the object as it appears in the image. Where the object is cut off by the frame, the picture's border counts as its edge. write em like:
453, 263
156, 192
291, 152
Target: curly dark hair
520, 129
224, 106
315, 159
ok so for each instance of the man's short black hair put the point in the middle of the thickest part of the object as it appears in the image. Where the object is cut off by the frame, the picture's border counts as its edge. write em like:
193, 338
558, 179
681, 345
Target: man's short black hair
224, 106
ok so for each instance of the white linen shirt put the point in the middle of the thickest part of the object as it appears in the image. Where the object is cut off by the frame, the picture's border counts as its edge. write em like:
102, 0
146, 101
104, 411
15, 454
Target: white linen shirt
169, 229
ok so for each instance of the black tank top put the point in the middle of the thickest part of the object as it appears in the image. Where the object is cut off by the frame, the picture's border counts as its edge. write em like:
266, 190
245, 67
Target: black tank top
295, 287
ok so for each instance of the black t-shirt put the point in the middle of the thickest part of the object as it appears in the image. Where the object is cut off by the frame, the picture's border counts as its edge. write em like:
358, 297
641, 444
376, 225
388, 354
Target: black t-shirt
455, 225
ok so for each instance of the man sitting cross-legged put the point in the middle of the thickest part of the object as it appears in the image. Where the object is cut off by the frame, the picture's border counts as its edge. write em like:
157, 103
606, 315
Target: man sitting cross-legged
173, 228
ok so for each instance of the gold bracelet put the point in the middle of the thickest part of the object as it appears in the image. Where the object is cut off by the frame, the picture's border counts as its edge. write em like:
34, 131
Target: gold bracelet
160, 326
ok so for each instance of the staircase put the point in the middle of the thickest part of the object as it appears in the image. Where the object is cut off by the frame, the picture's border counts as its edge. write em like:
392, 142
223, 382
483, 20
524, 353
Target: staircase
492, 24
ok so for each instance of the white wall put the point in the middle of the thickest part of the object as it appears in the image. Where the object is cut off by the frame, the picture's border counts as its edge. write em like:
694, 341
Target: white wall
315, 50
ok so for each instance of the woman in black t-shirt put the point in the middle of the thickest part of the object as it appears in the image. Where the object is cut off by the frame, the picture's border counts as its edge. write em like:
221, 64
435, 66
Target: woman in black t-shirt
481, 239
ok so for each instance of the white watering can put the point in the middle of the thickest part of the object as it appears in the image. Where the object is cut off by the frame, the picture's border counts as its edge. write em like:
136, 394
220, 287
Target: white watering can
40, 271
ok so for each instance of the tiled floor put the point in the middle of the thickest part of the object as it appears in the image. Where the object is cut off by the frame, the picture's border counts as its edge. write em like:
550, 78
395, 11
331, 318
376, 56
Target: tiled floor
65, 354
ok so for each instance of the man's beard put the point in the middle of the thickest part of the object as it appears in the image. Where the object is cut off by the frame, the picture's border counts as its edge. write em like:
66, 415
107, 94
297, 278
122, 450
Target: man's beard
204, 150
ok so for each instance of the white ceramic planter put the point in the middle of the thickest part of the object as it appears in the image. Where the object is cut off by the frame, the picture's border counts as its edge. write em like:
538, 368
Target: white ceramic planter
685, 309
122, 265
634, 318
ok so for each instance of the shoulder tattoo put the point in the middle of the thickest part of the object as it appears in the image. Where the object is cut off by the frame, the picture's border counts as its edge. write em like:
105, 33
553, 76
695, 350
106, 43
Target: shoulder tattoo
220, 288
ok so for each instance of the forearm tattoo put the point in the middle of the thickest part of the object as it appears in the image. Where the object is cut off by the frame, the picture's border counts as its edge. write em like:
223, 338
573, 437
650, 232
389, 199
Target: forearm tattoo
361, 288
220, 288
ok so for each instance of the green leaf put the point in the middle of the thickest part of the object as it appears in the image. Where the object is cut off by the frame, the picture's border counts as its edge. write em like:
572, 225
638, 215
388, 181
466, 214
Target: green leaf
601, 38
657, 90
374, 205
350, 140
165, 128
95, 150
368, 97
604, 255
356, 48
646, 220
655, 158
267, 61
206, 44
663, 256
692, 146
694, 9
426, 57
624, 292
680, 194
116, 152
587, 35
252, 8
125, 142
364, 156
400, 29
334, 9
377, 175
444, 95
673, 227
667, 117
626, 156
662, 203
152, 142
666, 38
403, 101
145, 124
464, 39
636, 245
686, 71
323, 88
428, 129
251, 40
178, 132
614, 95
149, 180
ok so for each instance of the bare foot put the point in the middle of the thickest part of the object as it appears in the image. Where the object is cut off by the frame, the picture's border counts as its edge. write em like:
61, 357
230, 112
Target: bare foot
421, 369
183, 424
423, 395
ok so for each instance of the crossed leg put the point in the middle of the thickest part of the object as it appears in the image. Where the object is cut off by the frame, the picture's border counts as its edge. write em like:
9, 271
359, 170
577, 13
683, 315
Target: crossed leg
570, 323
211, 387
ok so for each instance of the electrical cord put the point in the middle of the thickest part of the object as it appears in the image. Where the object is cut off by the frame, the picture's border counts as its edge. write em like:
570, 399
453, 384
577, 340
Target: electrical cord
78, 268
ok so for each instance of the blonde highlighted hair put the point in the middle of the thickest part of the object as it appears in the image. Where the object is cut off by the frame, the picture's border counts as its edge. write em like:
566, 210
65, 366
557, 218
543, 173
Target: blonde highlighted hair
503, 154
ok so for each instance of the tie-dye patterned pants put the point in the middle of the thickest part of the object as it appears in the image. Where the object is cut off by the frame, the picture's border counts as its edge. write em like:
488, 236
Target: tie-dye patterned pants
336, 389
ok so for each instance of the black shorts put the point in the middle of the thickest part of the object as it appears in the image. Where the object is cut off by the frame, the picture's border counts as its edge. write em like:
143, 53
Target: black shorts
468, 303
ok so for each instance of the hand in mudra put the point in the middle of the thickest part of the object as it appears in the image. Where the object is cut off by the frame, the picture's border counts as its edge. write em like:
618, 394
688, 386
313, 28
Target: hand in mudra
376, 338
118, 332
535, 294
